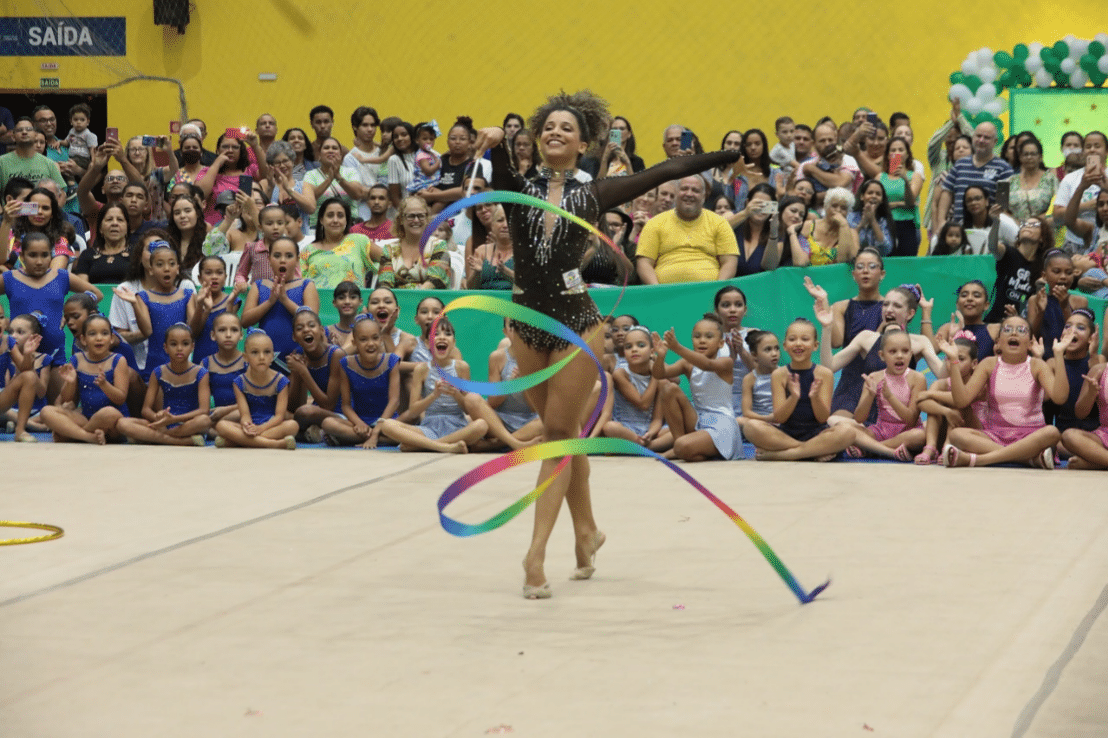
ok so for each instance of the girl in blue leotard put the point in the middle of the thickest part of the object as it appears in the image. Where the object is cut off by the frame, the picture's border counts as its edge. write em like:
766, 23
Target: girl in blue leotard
23, 373
209, 302
158, 308
271, 304
262, 394
77, 309
97, 380
369, 387
175, 411
224, 366
313, 369
38, 287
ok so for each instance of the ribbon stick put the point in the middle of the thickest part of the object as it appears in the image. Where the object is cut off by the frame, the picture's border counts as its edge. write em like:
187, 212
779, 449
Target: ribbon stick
569, 447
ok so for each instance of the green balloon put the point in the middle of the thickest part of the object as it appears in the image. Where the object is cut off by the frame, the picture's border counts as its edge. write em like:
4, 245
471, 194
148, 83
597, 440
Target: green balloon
1003, 59
1096, 49
957, 78
1061, 50
1021, 52
1088, 63
972, 81
1061, 79
1098, 79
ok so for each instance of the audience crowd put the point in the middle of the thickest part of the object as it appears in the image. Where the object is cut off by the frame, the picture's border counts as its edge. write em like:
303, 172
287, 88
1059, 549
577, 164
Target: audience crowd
190, 238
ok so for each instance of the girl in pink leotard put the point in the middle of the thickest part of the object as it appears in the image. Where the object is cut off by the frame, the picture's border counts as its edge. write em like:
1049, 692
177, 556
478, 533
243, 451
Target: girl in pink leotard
1090, 448
1014, 430
897, 433
938, 402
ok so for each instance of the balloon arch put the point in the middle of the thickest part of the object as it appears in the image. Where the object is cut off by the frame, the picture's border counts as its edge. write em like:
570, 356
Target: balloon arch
1070, 63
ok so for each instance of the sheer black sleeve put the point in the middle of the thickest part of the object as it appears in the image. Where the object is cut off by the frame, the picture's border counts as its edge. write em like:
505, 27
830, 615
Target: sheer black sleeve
504, 175
613, 191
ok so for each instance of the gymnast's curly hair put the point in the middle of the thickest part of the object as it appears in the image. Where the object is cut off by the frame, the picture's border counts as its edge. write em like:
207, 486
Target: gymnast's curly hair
590, 110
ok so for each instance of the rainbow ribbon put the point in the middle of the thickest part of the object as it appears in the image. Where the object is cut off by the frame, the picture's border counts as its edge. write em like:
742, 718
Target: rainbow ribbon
568, 447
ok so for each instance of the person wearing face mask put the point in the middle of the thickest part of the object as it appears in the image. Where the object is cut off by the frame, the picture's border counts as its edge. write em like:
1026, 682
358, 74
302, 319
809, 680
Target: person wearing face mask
191, 158
1072, 143
196, 128
1095, 149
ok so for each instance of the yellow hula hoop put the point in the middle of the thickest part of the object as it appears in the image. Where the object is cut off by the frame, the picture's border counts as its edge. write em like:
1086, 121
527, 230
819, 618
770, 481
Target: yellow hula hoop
56, 532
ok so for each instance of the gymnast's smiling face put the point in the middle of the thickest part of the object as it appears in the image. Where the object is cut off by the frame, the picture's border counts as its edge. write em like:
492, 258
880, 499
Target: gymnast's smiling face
560, 141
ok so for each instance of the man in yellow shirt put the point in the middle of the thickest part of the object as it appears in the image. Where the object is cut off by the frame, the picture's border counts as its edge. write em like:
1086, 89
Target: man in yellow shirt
688, 243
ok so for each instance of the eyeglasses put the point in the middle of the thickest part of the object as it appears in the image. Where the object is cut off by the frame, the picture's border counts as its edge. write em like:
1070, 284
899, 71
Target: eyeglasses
136, 148
415, 217
115, 178
867, 267
1021, 330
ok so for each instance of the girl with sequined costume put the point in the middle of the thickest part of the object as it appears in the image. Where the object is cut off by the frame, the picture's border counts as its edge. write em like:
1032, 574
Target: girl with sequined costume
548, 253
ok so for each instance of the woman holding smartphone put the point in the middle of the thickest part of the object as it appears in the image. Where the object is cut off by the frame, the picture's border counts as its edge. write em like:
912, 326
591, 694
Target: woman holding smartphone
230, 164
903, 182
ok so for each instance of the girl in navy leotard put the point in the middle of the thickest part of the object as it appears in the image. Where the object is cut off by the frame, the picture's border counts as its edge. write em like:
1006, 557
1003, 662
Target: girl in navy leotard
1064, 416
262, 394
38, 287
272, 304
175, 411
22, 377
156, 309
97, 380
801, 406
972, 304
313, 369
209, 302
224, 366
370, 389
1050, 308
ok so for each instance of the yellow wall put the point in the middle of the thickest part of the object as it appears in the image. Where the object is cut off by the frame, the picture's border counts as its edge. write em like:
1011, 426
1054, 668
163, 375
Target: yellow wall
708, 65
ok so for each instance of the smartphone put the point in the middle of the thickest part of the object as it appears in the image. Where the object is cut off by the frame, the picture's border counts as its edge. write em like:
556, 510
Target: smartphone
161, 158
1003, 192
895, 160
769, 207
175, 127
246, 184
872, 118
1093, 163
111, 133
28, 209
149, 140
686, 140
615, 136
234, 133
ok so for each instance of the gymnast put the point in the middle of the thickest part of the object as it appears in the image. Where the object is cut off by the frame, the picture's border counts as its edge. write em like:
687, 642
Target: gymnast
548, 253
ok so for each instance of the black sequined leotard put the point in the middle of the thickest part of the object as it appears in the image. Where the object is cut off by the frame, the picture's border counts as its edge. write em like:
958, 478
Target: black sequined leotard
547, 276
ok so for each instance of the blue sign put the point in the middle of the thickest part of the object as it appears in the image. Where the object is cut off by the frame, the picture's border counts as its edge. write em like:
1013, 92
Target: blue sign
63, 36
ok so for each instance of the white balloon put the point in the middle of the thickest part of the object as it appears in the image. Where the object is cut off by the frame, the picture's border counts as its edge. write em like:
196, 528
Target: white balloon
1034, 48
961, 92
1068, 65
1033, 64
1070, 40
987, 73
973, 106
1043, 78
1078, 79
1102, 64
1102, 38
1078, 49
995, 106
969, 67
984, 56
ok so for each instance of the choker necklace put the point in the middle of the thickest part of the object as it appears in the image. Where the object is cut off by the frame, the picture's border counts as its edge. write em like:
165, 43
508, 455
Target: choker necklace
547, 173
